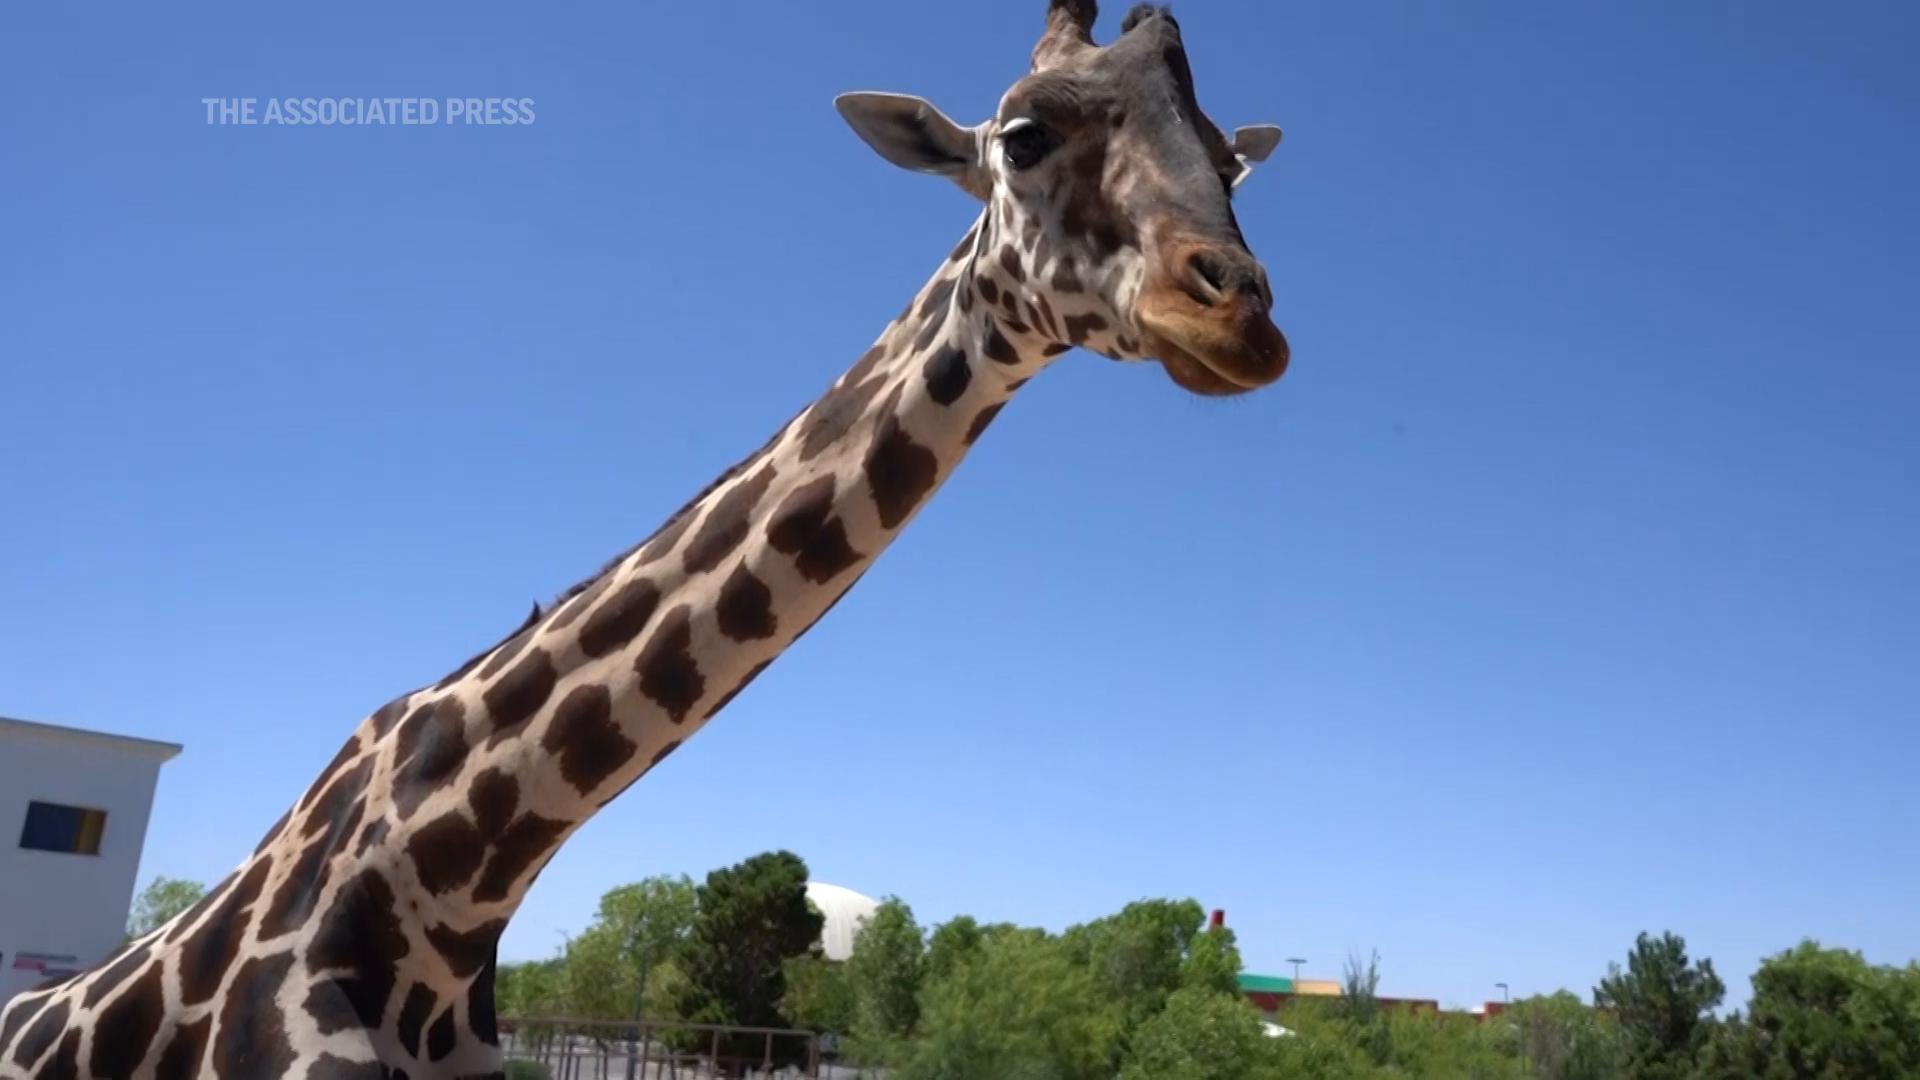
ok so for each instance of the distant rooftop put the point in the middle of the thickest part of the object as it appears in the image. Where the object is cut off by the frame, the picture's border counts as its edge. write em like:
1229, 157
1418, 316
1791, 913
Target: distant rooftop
30, 729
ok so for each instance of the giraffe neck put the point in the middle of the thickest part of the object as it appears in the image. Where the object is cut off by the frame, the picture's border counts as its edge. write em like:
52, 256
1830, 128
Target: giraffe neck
363, 927
486, 774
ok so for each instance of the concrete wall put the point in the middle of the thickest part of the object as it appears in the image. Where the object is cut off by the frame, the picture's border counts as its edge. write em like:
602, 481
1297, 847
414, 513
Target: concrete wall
55, 904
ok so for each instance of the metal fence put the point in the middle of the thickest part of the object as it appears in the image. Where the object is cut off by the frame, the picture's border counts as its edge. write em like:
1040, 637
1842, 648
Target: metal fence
558, 1048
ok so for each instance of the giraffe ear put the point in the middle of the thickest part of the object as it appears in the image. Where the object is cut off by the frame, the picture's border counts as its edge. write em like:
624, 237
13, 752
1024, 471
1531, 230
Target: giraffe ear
1255, 141
1252, 144
911, 133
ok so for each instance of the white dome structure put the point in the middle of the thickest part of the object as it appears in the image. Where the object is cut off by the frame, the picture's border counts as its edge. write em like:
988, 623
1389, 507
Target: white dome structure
844, 910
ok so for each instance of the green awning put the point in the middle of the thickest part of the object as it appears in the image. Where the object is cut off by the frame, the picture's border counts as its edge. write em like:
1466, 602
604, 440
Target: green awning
1265, 984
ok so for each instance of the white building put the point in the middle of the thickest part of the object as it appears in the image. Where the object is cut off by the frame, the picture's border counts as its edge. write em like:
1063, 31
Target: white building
844, 911
73, 818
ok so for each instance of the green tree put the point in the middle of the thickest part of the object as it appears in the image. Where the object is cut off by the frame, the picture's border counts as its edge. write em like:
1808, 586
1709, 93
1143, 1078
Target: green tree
884, 972
1559, 1037
818, 996
1020, 1007
1823, 1013
1425, 1042
1202, 1034
1664, 1004
956, 940
1140, 954
750, 919
1359, 989
536, 989
161, 900
637, 928
952, 943
1213, 963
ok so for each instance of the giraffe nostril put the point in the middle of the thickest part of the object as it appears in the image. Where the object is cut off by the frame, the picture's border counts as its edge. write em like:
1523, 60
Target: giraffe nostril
1207, 278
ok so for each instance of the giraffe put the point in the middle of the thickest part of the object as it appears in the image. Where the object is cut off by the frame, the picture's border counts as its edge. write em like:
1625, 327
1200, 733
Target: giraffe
358, 939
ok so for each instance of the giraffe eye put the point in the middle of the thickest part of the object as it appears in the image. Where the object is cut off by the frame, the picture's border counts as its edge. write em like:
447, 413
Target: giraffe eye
1025, 142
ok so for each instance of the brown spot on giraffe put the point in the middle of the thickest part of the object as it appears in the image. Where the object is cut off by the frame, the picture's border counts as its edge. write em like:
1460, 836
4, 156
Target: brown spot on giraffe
481, 1019
341, 760
614, 624
208, 955
430, 745
123, 1032
387, 715
744, 609
520, 693
669, 674
865, 366
251, 1040
493, 798
65, 1064
440, 1037
337, 803
359, 941
293, 901
947, 375
900, 472
576, 604
414, 1013
981, 419
1010, 262
374, 833
181, 1059
529, 839
1043, 315
333, 1067
589, 744
930, 330
834, 415
1081, 327
49, 1018
727, 523
997, 348
466, 952
121, 965
805, 527
446, 852
935, 301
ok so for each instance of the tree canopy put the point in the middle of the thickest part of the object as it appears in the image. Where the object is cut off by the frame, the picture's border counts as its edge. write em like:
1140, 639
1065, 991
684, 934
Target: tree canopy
162, 899
1151, 993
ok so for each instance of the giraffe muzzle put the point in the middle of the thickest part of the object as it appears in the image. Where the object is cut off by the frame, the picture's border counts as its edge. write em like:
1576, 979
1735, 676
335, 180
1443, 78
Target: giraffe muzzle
1206, 315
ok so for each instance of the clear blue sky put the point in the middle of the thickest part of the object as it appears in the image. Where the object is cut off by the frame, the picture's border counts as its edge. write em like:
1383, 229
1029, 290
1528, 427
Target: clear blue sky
1565, 588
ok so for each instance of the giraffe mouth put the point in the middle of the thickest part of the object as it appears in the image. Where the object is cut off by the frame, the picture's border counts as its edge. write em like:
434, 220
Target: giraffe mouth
1216, 357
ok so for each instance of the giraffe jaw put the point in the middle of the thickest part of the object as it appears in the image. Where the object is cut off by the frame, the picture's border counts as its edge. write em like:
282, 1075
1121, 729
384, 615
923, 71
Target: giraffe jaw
1203, 357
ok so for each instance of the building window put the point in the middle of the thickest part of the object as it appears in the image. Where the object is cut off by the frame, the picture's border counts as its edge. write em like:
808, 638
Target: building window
71, 829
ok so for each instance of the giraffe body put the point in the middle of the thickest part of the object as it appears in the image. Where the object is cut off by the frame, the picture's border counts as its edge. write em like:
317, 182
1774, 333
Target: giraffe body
358, 939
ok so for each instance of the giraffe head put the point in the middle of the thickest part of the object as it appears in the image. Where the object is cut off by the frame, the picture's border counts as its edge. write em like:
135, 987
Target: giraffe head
1109, 200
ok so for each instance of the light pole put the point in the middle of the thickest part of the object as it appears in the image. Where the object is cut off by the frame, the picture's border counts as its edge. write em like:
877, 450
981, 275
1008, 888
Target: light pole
1296, 961
1505, 997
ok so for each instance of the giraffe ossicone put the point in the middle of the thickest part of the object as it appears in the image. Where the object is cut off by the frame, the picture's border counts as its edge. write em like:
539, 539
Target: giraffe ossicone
358, 939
